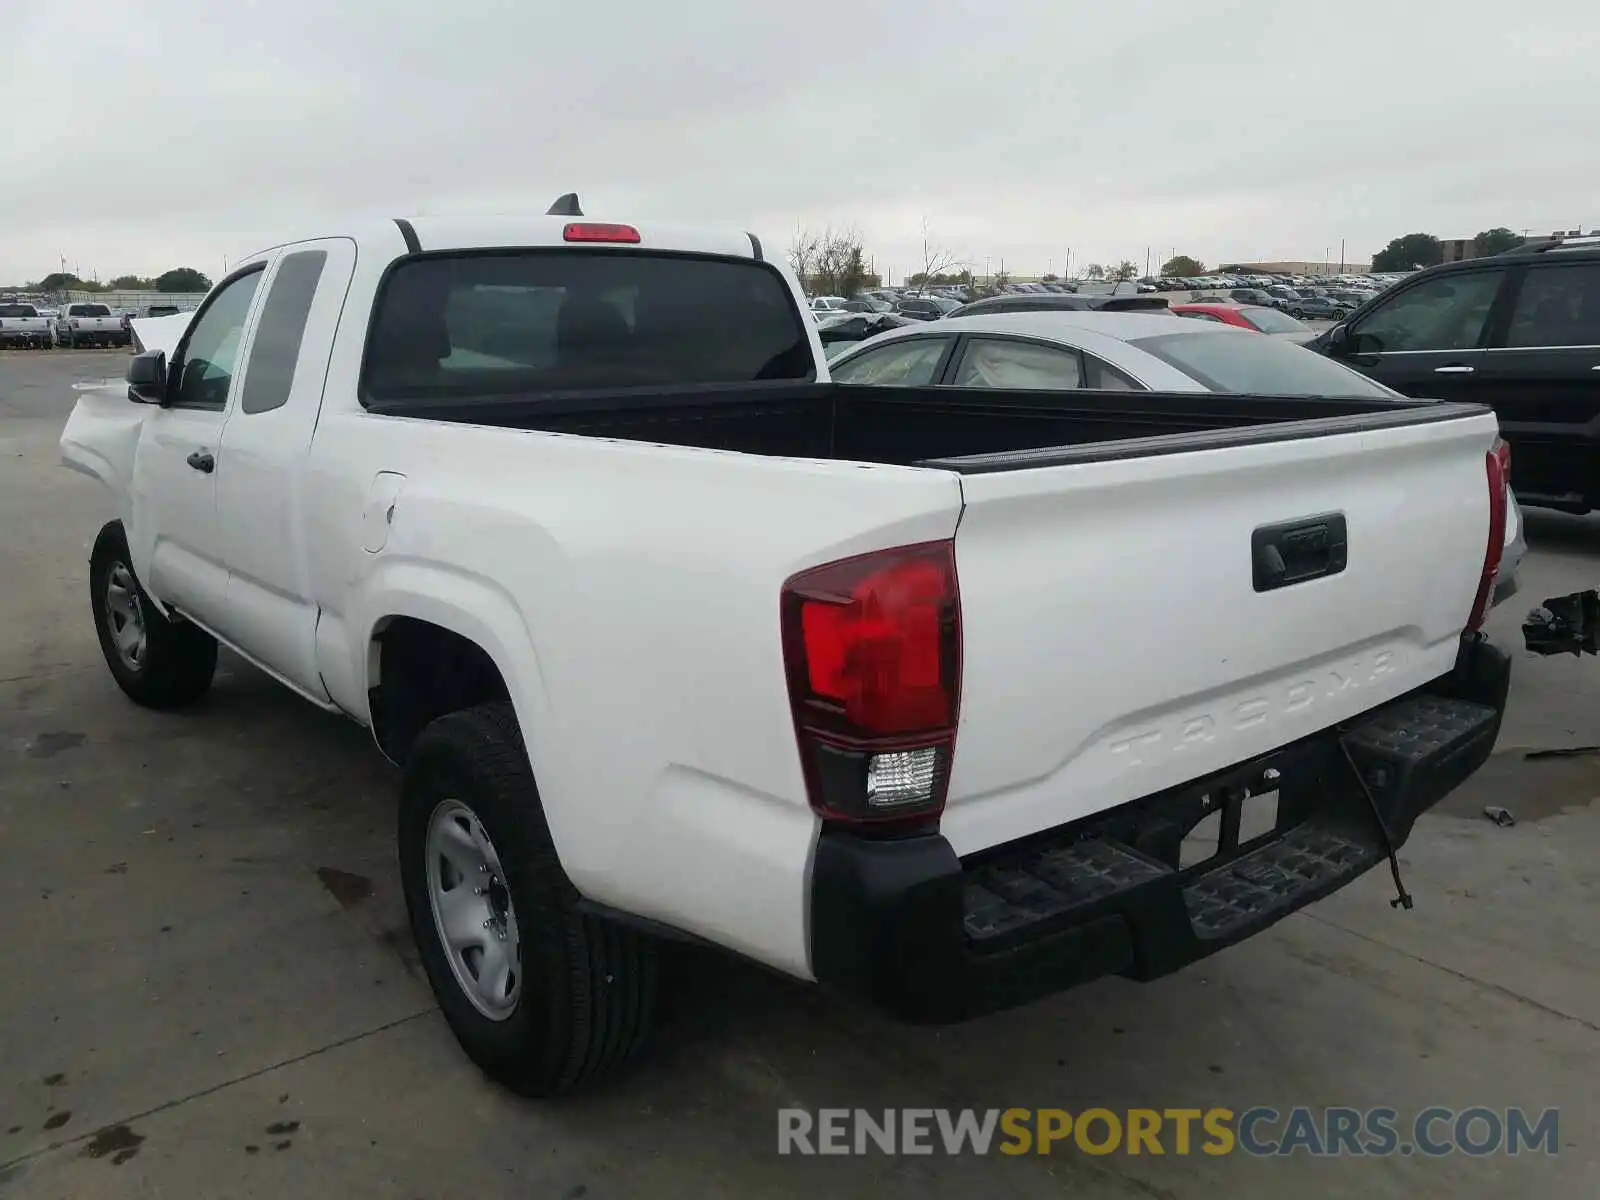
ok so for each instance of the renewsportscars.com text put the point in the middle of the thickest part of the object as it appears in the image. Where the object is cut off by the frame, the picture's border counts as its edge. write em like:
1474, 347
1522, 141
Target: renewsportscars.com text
1259, 1132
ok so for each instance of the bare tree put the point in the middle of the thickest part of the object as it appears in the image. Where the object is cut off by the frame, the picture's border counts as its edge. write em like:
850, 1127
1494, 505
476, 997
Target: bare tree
803, 253
936, 261
1094, 271
1126, 269
840, 265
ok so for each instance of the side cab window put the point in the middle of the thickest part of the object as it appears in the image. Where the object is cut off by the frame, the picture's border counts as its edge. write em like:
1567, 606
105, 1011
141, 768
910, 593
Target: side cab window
202, 371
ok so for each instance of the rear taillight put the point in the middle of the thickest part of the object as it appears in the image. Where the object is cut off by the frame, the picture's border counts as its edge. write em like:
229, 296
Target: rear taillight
1497, 467
599, 231
872, 649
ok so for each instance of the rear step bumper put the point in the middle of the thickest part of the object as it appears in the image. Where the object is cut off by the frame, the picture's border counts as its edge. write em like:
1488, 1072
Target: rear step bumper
911, 930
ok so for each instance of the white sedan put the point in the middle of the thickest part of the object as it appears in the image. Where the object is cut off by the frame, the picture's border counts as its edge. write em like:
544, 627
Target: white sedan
1116, 351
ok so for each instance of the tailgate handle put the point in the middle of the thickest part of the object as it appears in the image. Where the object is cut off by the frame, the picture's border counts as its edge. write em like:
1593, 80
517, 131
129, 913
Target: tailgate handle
1296, 551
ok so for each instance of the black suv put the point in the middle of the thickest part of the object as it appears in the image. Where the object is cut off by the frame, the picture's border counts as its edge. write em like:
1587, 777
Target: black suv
1519, 332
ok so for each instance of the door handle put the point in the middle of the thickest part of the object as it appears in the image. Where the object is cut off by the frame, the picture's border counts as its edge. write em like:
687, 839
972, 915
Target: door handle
201, 461
1456, 370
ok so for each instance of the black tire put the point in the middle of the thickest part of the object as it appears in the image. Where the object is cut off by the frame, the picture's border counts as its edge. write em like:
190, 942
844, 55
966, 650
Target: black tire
588, 988
178, 659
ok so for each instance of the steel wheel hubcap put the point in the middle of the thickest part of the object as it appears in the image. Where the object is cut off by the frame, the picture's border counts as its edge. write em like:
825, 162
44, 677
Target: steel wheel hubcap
125, 616
472, 910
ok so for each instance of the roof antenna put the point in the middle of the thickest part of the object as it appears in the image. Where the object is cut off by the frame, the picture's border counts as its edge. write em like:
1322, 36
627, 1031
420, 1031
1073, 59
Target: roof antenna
565, 206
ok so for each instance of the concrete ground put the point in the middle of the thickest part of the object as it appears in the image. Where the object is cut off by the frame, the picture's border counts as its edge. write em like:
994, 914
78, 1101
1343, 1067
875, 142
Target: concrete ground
209, 990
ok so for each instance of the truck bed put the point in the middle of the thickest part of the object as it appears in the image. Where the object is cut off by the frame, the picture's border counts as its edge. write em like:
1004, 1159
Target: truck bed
967, 430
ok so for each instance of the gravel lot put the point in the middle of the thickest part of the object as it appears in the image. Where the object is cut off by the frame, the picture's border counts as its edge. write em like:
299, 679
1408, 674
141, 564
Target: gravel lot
210, 990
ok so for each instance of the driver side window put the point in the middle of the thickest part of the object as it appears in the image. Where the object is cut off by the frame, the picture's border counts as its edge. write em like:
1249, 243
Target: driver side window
1447, 313
210, 354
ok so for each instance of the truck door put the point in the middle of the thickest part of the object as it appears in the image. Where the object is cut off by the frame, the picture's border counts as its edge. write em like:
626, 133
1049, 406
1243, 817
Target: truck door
172, 524
261, 490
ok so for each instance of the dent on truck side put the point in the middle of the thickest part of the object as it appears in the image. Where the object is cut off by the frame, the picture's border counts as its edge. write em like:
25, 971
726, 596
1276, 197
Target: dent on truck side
101, 440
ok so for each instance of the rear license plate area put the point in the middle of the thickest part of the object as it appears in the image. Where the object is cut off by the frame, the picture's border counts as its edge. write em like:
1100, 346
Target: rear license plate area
1248, 816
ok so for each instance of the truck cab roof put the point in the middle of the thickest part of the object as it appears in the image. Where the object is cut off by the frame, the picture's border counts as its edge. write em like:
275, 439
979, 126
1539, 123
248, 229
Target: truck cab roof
426, 235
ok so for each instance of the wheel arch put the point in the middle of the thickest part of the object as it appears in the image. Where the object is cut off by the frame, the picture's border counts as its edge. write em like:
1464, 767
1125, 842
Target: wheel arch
437, 642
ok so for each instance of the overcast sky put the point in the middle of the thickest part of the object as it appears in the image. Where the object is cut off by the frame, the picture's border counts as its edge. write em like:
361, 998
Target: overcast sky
175, 132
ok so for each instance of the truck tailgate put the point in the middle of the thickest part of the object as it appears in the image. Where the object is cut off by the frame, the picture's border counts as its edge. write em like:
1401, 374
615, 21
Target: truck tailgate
1115, 642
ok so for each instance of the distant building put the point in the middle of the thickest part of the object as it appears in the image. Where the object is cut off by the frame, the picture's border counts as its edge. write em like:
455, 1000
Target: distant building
1322, 267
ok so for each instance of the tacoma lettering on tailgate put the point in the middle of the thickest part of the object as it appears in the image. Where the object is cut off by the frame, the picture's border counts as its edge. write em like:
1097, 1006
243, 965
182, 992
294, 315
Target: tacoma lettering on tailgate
1200, 727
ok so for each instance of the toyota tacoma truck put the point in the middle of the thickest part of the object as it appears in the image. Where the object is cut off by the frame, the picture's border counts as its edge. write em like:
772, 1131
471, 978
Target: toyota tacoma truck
913, 692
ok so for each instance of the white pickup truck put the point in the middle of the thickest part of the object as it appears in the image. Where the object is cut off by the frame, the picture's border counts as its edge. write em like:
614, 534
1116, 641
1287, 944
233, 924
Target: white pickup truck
91, 325
914, 692
23, 325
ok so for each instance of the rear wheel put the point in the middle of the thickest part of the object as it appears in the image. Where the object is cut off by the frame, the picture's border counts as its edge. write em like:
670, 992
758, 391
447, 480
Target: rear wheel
157, 662
543, 997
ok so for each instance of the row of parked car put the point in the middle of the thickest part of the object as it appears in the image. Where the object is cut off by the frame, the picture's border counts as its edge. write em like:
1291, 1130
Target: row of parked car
1519, 332
27, 326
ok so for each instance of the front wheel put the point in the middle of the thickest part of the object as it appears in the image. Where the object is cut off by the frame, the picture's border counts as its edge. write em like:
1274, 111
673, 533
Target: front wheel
542, 996
158, 663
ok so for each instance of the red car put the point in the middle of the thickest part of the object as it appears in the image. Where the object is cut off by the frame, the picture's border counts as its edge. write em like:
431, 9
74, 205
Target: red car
1248, 316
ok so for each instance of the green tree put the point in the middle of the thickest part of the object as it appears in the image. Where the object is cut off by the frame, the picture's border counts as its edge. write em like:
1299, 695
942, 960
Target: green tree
1409, 253
182, 279
58, 281
1182, 267
130, 283
1124, 270
1094, 271
1497, 240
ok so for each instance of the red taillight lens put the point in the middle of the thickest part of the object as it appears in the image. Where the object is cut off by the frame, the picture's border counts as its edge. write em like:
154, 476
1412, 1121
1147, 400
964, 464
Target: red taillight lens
872, 648
1497, 468
599, 231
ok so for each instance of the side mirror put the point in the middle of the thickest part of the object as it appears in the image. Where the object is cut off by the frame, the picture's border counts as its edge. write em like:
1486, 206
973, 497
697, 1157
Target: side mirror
147, 377
1337, 340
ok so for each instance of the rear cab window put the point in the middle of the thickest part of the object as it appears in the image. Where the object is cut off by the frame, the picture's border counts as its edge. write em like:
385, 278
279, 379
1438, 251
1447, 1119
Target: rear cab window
17, 311
88, 310
1238, 361
471, 325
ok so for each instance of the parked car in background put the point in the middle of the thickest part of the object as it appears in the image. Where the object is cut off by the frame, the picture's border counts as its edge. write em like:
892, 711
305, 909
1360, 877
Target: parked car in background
25, 326
925, 308
1122, 351
1519, 332
1253, 295
840, 331
91, 325
1075, 303
1249, 316
1320, 307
